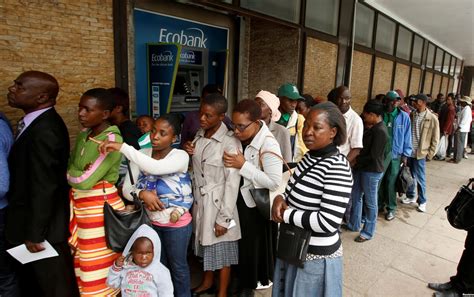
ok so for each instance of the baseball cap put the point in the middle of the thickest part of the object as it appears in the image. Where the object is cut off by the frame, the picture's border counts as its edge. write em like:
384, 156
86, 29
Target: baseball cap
421, 96
289, 91
392, 95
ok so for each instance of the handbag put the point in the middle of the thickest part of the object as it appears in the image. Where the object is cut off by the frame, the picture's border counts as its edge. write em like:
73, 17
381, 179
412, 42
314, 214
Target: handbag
404, 180
460, 211
293, 241
264, 197
119, 225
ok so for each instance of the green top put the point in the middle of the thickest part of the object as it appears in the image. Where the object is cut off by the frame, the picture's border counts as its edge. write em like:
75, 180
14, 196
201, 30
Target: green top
102, 167
389, 120
285, 117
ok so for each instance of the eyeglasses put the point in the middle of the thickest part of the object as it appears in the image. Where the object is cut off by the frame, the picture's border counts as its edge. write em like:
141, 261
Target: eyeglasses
239, 127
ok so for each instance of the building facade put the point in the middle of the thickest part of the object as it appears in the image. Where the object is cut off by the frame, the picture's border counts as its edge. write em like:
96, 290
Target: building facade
244, 45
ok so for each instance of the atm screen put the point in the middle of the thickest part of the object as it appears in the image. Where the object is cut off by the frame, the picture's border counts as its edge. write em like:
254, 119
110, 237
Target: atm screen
181, 86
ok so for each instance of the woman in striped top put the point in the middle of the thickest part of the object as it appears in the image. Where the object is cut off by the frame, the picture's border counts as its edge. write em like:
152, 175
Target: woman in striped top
316, 201
92, 176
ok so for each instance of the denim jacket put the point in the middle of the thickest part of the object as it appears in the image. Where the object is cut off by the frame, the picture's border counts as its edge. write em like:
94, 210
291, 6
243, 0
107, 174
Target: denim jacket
401, 140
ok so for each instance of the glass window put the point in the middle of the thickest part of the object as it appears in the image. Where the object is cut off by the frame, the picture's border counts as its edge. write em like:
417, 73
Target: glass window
430, 56
282, 9
417, 50
446, 63
453, 64
322, 15
385, 37
404, 43
439, 59
364, 25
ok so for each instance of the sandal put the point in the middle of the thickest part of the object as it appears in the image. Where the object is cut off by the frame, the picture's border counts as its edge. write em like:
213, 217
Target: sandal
360, 239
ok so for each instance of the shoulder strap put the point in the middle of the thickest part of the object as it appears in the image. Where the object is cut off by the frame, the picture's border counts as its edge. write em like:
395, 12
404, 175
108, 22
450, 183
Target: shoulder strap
304, 172
130, 174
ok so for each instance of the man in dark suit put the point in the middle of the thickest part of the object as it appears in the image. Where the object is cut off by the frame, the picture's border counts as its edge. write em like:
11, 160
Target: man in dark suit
38, 204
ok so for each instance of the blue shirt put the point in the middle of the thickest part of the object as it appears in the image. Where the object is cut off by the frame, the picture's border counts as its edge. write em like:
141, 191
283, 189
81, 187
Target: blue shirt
6, 142
401, 140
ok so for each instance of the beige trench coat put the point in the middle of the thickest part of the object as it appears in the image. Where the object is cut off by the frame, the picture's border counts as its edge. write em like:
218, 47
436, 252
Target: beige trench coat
215, 187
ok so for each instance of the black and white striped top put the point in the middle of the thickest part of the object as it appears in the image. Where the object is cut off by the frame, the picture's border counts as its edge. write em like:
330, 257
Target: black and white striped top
318, 201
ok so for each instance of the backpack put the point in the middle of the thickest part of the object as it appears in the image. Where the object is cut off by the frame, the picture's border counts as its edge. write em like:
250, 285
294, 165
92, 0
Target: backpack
461, 210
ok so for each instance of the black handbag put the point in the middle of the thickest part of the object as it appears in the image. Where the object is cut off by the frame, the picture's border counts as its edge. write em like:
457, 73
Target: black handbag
404, 180
461, 210
293, 241
119, 225
262, 197
292, 244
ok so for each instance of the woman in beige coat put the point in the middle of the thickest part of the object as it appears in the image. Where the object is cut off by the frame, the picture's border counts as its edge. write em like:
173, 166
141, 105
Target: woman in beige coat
216, 221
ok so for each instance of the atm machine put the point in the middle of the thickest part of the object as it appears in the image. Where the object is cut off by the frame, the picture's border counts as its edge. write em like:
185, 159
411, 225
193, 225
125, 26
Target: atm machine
191, 77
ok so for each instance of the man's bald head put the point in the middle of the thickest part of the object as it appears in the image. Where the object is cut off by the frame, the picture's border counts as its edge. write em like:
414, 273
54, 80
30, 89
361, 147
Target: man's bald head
33, 90
46, 81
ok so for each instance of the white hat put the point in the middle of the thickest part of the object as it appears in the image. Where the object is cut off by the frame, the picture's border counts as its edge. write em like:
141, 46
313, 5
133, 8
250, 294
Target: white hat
272, 101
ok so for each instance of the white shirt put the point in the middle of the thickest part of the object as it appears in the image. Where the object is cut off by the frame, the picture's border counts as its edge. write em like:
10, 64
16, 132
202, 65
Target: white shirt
355, 132
464, 119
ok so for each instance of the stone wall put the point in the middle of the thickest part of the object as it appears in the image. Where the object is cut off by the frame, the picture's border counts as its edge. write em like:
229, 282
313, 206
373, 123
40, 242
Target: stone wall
320, 67
273, 56
72, 40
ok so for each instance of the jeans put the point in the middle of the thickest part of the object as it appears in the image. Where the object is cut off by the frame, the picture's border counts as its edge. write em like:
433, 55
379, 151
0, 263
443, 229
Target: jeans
322, 277
459, 141
174, 248
364, 195
417, 168
8, 282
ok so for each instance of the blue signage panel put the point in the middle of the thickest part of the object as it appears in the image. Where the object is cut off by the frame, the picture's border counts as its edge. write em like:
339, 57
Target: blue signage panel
163, 60
151, 27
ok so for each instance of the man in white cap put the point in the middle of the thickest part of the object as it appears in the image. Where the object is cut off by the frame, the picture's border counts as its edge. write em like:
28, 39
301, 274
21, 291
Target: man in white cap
270, 114
464, 126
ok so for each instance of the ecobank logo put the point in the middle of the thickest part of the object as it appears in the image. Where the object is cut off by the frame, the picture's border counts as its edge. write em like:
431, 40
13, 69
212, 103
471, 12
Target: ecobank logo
161, 58
190, 37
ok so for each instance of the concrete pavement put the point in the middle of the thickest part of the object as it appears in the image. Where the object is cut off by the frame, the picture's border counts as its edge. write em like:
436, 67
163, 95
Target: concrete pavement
413, 249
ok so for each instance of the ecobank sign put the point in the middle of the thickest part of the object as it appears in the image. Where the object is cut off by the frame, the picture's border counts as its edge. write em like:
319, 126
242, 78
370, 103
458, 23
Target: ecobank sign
189, 37
154, 27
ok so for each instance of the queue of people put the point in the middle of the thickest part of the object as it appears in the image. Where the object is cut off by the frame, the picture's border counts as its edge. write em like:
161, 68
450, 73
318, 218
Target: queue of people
196, 181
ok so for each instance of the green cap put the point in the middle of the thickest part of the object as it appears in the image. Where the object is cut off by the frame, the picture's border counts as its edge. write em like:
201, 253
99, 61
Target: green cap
289, 91
392, 95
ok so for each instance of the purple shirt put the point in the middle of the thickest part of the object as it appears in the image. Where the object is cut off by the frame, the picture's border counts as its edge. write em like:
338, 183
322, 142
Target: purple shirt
30, 117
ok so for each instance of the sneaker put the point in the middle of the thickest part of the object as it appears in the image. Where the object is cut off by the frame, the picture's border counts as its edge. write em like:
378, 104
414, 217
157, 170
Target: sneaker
465, 156
409, 200
421, 207
262, 287
390, 216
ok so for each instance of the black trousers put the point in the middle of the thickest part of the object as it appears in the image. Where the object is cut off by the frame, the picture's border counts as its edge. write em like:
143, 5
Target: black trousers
50, 277
463, 281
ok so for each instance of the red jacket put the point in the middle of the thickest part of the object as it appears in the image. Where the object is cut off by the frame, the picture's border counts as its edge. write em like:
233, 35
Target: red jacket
446, 119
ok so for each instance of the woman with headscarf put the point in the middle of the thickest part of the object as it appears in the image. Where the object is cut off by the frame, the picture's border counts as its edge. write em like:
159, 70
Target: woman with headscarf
269, 104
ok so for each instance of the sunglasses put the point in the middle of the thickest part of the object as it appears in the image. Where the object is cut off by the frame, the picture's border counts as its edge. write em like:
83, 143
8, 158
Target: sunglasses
239, 127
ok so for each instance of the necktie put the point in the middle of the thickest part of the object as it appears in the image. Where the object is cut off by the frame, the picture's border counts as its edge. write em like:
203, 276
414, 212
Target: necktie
19, 127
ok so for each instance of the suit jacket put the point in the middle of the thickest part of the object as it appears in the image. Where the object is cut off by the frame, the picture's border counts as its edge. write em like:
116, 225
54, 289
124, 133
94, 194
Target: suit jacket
38, 196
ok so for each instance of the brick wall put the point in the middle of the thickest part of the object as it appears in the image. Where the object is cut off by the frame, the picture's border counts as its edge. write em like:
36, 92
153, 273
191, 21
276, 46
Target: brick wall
72, 40
273, 56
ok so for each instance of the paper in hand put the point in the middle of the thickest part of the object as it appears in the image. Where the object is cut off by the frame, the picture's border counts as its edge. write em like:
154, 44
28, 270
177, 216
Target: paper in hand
24, 256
